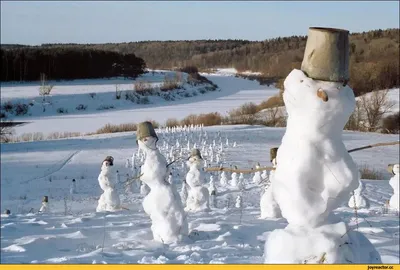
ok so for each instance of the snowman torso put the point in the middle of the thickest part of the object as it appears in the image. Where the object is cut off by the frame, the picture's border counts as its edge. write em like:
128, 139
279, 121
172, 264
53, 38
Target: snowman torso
154, 169
314, 168
109, 199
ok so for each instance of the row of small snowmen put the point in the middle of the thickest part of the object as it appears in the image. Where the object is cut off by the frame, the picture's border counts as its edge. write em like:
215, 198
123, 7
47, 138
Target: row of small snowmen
178, 143
358, 201
167, 208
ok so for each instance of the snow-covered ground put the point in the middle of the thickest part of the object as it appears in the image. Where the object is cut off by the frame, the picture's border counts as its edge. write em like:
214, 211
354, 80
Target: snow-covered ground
74, 233
232, 93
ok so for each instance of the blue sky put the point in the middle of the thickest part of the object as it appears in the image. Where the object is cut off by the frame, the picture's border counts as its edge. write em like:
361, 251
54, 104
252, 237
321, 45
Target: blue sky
102, 22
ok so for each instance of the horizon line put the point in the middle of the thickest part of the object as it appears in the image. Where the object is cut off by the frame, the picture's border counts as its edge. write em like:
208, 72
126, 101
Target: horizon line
180, 40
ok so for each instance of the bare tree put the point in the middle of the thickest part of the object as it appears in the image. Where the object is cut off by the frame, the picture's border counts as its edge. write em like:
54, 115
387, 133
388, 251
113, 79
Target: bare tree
356, 119
118, 92
274, 117
44, 89
6, 131
375, 106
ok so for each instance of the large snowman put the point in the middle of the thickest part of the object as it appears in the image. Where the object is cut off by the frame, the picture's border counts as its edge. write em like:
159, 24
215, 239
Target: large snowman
109, 200
315, 174
394, 182
198, 195
269, 208
163, 203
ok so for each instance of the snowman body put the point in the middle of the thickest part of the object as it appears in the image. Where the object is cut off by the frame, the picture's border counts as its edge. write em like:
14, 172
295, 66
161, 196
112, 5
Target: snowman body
109, 199
223, 179
198, 195
357, 200
315, 175
162, 204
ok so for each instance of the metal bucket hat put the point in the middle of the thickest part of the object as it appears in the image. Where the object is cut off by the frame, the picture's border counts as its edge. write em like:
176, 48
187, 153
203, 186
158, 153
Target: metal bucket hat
196, 153
109, 159
145, 129
326, 56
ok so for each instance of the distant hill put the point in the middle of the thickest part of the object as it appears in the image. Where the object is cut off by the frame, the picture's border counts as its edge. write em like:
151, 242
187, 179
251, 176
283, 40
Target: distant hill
374, 62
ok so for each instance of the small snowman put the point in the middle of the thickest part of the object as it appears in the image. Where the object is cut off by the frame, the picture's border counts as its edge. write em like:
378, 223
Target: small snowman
357, 200
212, 191
198, 196
170, 179
234, 178
45, 205
238, 203
240, 183
268, 206
109, 200
72, 189
257, 175
211, 188
223, 179
127, 163
163, 204
394, 183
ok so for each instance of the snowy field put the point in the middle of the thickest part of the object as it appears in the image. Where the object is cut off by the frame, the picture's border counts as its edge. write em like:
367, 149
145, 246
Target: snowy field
232, 93
74, 233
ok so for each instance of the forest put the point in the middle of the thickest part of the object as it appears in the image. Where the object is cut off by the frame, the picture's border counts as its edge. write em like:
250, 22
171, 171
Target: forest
374, 58
59, 63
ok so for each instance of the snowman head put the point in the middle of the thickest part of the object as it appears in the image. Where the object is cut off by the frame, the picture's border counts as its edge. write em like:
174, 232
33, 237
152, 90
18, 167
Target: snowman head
195, 161
107, 164
323, 107
146, 136
396, 169
147, 143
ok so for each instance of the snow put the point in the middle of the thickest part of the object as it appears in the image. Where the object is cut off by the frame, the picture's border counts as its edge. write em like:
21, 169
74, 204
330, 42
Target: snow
314, 176
233, 92
74, 235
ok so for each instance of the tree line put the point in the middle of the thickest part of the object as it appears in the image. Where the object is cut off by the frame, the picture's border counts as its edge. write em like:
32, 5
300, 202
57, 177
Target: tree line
26, 63
374, 57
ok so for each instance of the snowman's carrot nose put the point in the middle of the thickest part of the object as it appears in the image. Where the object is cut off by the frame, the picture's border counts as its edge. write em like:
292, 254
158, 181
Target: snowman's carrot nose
322, 95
